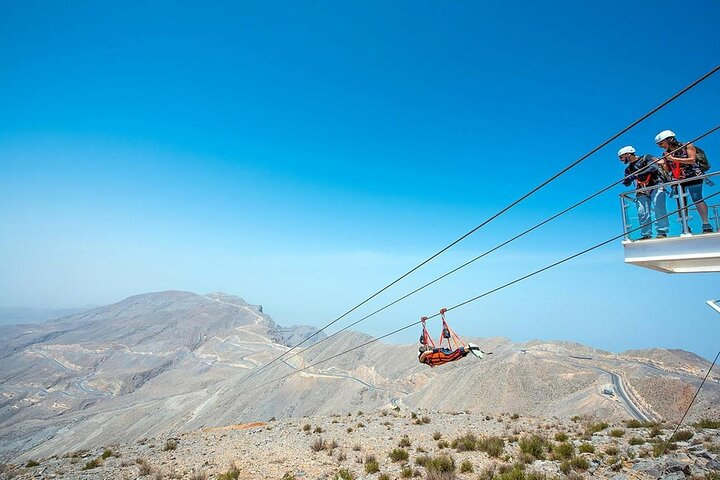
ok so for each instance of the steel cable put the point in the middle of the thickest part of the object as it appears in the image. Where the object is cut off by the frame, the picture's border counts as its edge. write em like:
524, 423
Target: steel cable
473, 299
489, 219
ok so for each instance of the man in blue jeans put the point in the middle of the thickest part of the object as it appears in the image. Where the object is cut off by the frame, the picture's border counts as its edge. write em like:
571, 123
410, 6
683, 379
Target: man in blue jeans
645, 172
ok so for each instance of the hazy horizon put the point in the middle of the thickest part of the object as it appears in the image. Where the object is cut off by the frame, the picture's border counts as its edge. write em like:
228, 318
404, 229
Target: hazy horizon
304, 155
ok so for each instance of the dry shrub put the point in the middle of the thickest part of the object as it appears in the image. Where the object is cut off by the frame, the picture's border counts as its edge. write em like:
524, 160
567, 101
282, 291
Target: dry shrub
144, 466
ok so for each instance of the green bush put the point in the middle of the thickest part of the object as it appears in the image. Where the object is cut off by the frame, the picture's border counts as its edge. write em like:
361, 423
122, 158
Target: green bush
563, 451
659, 449
371, 464
92, 464
437, 436
638, 424
636, 441
465, 443
384, 476
682, 436
536, 476
170, 444
232, 474
344, 474
306, 427
399, 454
443, 444
493, 446
713, 447
586, 448
561, 437
655, 431
617, 432
406, 472
31, 464
404, 442
533, 445
707, 423
579, 463
466, 467
596, 427
442, 464
611, 450
107, 453
514, 472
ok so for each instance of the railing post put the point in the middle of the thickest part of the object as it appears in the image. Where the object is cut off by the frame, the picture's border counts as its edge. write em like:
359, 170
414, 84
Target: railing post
683, 211
623, 208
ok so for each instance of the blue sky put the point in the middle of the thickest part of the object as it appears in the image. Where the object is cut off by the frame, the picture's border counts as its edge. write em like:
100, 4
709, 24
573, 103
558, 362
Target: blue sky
302, 155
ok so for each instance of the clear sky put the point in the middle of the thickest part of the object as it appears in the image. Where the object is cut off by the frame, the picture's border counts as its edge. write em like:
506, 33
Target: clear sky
302, 155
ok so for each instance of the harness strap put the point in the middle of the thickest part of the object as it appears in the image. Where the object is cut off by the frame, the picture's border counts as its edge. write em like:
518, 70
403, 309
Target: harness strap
426, 339
451, 336
644, 183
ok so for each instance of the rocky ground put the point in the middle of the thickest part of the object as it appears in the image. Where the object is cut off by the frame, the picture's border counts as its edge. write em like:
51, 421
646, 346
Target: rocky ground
396, 442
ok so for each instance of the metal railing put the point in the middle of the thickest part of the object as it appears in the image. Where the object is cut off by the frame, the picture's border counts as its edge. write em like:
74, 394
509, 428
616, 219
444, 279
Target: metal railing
686, 222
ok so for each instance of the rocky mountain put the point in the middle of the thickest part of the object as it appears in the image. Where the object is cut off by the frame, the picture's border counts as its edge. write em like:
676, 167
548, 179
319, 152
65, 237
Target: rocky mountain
169, 363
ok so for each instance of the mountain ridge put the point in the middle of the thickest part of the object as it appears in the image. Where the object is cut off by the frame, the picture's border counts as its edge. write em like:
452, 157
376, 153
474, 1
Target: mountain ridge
164, 363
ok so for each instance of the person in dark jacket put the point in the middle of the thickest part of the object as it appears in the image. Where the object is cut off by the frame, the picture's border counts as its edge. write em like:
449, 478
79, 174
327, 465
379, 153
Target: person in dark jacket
645, 172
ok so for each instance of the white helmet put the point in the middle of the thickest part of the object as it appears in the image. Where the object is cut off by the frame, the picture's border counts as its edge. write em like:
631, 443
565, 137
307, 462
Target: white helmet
624, 150
664, 135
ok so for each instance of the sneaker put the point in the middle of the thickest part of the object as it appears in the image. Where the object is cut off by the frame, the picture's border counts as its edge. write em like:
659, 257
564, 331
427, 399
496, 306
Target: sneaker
645, 237
661, 235
707, 228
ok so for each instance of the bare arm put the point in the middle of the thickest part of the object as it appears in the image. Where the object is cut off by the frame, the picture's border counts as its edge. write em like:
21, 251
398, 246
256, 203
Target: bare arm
691, 152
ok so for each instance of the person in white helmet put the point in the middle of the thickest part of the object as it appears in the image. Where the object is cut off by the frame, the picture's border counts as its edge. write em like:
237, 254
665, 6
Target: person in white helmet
680, 161
644, 171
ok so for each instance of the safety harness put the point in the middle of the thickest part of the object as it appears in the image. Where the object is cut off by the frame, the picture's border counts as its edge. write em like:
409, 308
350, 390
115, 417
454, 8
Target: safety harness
437, 356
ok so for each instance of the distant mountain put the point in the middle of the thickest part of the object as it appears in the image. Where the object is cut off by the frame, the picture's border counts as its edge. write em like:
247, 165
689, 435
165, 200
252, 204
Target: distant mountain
170, 362
22, 315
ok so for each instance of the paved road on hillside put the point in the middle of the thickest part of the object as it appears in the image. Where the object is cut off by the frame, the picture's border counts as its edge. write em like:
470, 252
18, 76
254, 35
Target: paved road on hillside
633, 409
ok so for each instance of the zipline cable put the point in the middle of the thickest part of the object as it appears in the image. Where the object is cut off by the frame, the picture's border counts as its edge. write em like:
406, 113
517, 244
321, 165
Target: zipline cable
491, 218
497, 247
473, 299
669, 440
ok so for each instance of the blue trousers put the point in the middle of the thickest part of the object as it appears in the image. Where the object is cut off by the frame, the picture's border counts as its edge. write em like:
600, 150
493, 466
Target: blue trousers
654, 200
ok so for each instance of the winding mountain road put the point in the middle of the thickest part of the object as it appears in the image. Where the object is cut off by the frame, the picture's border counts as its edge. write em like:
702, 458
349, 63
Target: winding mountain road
629, 405
632, 408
